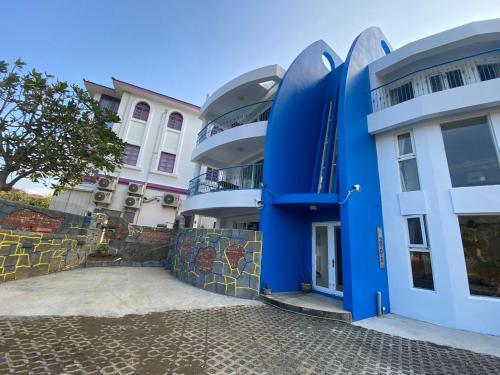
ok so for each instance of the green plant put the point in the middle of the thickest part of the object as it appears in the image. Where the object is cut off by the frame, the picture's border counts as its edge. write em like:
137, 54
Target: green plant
102, 250
52, 131
26, 198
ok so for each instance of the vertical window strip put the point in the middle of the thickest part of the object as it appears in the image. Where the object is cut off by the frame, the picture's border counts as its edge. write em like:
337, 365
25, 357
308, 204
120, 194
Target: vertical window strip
131, 154
167, 162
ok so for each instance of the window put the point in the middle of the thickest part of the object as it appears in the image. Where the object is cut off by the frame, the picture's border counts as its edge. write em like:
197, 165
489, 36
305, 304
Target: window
436, 83
141, 111
408, 169
402, 93
420, 257
175, 121
167, 162
471, 152
454, 78
212, 174
489, 71
109, 103
131, 154
481, 243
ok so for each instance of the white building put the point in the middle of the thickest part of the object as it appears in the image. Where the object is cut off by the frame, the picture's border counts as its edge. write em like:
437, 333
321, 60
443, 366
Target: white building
436, 119
160, 133
229, 152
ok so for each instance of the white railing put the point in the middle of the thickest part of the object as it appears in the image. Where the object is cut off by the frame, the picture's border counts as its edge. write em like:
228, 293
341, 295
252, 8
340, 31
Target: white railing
445, 76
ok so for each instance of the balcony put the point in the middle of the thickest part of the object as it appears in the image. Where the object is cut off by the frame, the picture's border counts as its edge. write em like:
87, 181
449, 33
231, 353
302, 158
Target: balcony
442, 77
248, 114
242, 177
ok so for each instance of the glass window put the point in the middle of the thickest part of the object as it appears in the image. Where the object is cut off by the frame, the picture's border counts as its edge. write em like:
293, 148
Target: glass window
415, 232
481, 243
212, 174
471, 153
436, 83
405, 146
141, 111
408, 169
131, 154
175, 121
167, 162
454, 78
402, 93
421, 269
489, 71
109, 103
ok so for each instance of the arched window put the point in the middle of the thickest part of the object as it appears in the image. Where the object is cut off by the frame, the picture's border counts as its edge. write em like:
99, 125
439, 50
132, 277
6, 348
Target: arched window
175, 121
141, 111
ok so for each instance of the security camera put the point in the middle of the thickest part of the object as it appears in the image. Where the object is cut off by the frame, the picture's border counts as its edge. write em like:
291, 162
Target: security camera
258, 203
356, 188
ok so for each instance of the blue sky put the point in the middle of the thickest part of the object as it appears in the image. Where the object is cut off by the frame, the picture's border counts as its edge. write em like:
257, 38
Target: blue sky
188, 48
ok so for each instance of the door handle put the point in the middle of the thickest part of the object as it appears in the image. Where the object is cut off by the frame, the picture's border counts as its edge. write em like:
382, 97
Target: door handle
333, 263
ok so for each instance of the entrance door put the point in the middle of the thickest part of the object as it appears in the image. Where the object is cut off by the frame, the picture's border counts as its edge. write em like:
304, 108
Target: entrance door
327, 258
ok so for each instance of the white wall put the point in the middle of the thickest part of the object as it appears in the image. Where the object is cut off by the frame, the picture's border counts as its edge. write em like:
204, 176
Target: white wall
450, 304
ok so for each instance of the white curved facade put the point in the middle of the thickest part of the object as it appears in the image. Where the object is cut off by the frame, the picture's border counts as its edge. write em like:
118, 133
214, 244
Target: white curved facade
229, 154
438, 159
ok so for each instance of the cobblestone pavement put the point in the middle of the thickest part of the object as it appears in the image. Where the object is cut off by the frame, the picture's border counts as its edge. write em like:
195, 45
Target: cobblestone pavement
230, 340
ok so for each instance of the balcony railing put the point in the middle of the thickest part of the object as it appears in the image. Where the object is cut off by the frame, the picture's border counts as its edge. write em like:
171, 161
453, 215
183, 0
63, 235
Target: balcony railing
232, 178
465, 71
244, 115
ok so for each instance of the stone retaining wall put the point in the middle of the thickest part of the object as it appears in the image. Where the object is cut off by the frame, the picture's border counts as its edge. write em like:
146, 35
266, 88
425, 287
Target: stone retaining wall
225, 261
25, 254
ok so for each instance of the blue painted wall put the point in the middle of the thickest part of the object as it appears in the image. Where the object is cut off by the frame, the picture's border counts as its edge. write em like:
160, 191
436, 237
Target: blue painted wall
293, 134
361, 215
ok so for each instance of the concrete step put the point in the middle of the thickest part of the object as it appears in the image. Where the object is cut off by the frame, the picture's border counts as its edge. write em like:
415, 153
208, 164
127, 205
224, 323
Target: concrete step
312, 304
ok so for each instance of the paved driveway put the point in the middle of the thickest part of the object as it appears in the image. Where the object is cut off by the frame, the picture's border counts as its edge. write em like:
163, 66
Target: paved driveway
111, 291
214, 335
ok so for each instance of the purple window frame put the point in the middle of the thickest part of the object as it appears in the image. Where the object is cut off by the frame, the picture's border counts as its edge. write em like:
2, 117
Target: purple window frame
141, 111
131, 154
167, 162
212, 174
175, 121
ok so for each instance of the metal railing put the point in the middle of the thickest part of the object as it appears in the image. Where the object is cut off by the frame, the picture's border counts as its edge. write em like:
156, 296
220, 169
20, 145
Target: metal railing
232, 178
248, 114
451, 74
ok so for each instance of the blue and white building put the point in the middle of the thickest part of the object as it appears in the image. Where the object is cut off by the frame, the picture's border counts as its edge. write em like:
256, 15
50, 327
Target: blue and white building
376, 177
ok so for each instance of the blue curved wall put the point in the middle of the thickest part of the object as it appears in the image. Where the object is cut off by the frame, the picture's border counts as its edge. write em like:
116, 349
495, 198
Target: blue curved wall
295, 135
361, 216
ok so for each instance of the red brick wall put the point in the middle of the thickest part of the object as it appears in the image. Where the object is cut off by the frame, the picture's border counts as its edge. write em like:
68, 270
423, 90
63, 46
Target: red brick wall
25, 219
154, 235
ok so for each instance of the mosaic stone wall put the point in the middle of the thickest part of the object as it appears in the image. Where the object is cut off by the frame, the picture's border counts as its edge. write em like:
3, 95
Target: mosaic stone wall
24, 255
225, 261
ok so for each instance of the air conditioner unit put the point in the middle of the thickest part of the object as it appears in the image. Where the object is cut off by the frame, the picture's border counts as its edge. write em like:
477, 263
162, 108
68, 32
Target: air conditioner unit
171, 200
100, 196
136, 189
106, 183
132, 202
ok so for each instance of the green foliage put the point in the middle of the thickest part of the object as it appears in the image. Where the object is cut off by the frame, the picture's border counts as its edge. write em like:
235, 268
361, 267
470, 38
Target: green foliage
52, 130
23, 197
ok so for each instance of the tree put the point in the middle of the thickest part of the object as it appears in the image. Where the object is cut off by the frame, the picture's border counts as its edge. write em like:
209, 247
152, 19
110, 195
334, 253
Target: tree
52, 130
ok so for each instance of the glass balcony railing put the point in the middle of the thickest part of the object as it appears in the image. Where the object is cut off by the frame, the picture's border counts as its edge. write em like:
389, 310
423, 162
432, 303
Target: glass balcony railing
461, 72
233, 178
244, 115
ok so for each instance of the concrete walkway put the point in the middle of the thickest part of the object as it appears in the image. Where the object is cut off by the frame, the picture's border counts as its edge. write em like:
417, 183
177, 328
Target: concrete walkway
106, 292
416, 330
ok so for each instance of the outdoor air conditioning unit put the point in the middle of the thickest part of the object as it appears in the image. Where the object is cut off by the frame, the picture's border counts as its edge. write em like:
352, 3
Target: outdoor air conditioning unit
100, 196
106, 183
136, 189
171, 200
133, 202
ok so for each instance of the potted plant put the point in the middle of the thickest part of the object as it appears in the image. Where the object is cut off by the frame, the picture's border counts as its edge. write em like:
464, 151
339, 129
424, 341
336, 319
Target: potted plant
266, 289
305, 285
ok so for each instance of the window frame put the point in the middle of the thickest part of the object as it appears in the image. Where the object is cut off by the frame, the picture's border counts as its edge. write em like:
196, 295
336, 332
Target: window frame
173, 165
137, 162
423, 229
182, 121
403, 157
140, 119
400, 87
448, 73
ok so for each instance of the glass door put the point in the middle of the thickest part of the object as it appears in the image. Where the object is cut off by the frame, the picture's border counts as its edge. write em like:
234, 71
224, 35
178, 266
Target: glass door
327, 258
